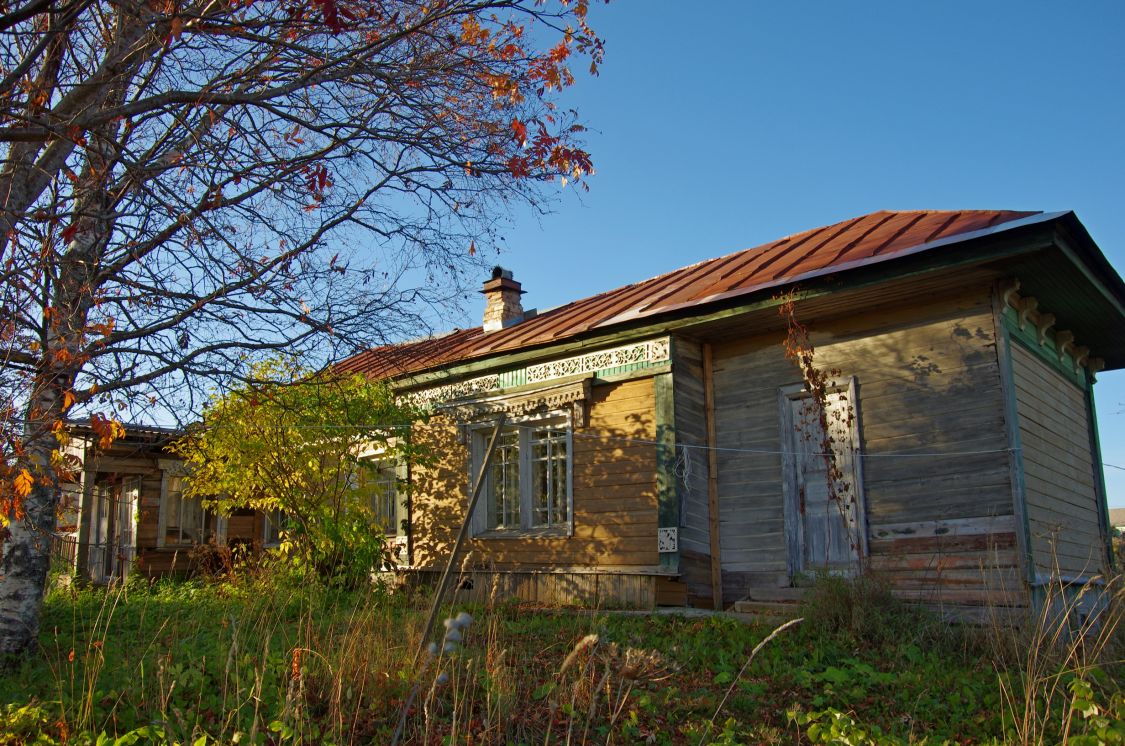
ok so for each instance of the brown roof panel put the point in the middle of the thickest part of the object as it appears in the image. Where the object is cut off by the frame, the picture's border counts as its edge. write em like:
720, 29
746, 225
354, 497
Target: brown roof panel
878, 236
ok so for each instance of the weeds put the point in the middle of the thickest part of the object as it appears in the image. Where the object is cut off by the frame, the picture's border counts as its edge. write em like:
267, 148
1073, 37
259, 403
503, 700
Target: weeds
264, 660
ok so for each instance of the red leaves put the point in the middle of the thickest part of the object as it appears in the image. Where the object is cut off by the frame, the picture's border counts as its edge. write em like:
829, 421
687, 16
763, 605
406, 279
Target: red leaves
549, 153
519, 131
316, 178
519, 167
69, 232
331, 13
175, 30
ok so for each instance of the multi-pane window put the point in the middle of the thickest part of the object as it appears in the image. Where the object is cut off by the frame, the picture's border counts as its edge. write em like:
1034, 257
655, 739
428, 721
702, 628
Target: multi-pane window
382, 481
503, 487
183, 516
548, 476
527, 486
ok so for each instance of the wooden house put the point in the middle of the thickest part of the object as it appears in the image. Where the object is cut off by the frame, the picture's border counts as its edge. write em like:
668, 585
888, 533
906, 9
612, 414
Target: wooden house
127, 511
659, 448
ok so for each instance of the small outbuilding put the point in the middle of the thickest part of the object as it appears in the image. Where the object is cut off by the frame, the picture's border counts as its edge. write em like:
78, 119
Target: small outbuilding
664, 444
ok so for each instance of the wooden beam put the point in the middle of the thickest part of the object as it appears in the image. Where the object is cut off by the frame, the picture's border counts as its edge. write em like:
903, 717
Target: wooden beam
667, 492
712, 480
1012, 425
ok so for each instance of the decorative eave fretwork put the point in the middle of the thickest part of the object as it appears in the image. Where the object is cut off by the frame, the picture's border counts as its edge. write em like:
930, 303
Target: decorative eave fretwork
1036, 329
635, 356
452, 391
651, 351
571, 397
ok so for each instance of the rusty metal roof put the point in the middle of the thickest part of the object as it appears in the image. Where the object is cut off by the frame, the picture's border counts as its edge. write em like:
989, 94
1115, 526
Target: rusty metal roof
877, 237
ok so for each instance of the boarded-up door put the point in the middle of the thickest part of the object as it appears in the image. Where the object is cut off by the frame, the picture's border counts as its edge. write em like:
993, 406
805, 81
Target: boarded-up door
824, 507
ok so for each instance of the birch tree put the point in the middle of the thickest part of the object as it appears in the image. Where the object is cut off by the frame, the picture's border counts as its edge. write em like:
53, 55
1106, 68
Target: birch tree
185, 184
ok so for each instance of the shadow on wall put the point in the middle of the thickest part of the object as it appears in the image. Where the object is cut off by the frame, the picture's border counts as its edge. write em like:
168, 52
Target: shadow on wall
614, 462
936, 472
931, 425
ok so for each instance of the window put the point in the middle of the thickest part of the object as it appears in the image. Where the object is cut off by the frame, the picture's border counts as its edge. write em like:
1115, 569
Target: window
528, 485
382, 481
275, 521
183, 523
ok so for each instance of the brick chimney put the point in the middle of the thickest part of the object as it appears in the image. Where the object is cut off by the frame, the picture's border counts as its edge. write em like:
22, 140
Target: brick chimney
502, 301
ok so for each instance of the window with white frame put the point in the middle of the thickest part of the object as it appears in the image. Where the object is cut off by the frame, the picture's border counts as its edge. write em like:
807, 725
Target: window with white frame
528, 484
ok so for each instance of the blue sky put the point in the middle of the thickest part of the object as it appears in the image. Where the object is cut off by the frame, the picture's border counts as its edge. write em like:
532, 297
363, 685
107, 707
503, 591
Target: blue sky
724, 125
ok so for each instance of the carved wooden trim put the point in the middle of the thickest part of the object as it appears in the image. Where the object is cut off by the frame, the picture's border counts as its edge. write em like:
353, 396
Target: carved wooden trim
1028, 312
1046, 321
649, 352
569, 396
1025, 308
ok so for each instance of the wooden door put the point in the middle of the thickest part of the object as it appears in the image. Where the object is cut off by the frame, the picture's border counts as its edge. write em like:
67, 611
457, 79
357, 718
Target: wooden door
124, 543
100, 536
824, 515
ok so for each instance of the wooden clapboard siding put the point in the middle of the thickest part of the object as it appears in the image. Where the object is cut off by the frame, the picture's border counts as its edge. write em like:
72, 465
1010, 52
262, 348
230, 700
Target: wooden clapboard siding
614, 484
691, 482
1059, 470
928, 383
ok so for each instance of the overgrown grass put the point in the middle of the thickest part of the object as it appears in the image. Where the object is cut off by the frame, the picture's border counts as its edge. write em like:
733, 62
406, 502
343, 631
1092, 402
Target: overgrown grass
263, 660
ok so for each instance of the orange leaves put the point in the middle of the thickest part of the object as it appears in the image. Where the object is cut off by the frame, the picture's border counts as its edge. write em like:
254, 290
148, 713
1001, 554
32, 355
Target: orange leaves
68, 401
503, 87
550, 153
23, 483
550, 69
104, 328
472, 33
106, 429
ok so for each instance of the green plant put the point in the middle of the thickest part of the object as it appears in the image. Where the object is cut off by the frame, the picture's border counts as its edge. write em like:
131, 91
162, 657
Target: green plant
1058, 671
839, 729
307, 448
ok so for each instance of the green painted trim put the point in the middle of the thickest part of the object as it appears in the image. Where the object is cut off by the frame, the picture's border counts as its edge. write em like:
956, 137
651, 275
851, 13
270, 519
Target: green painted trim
859, 278
514, 380
1099, 473
1012, 421
667, 496
1048, 352
651, 369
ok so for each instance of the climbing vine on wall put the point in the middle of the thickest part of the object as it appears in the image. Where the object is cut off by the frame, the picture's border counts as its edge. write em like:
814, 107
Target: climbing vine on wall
816, 409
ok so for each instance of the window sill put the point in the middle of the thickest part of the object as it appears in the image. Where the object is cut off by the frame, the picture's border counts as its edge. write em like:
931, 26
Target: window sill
554, 532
